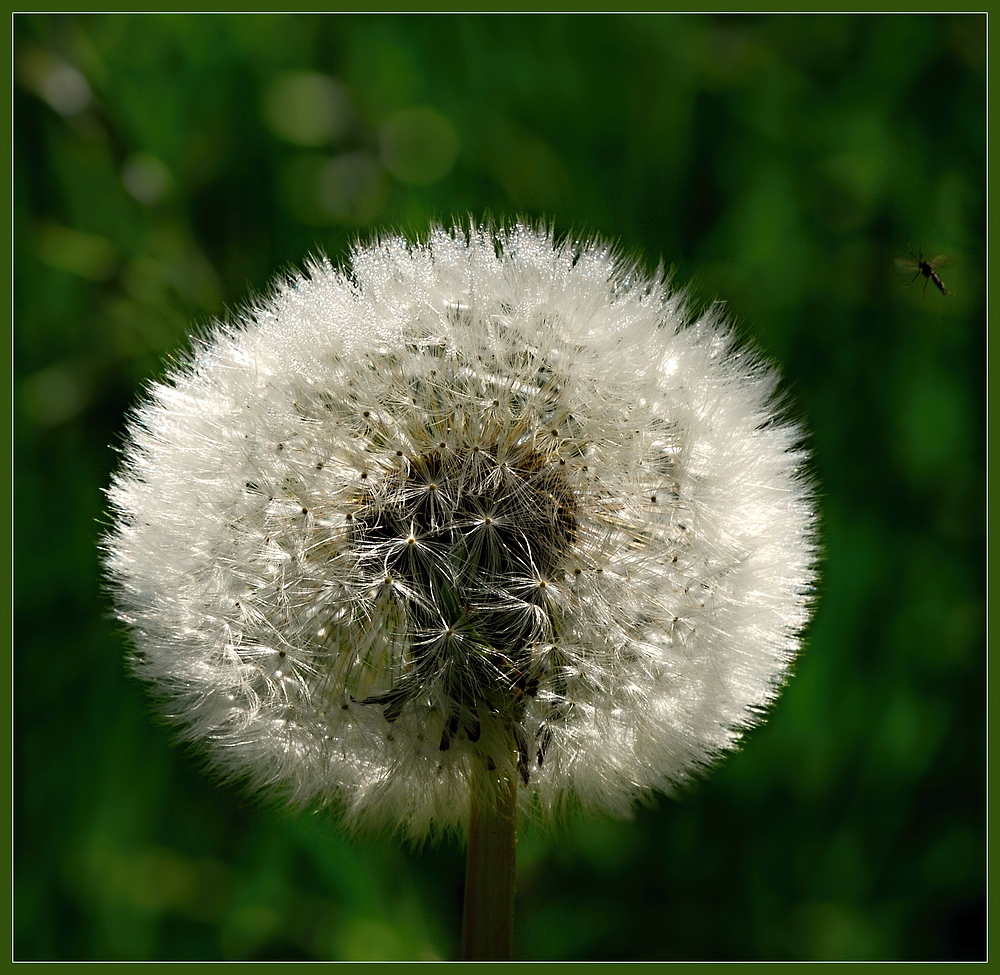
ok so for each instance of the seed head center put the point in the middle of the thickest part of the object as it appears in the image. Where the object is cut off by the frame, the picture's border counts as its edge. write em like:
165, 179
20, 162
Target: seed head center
460, 579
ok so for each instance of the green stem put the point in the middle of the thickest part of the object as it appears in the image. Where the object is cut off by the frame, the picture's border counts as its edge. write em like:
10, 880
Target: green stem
489, 872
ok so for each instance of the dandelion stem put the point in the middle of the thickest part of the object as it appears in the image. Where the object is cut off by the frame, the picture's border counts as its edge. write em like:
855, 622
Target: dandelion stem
489, 872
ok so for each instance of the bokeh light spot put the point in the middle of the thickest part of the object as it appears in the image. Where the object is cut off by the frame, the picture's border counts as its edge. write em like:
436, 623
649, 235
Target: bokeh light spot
418, 146
307, 108
58, 83
352, 186
87, 255
146, 178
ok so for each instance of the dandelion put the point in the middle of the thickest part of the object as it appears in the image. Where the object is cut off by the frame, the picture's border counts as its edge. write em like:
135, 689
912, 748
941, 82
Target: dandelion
486, 521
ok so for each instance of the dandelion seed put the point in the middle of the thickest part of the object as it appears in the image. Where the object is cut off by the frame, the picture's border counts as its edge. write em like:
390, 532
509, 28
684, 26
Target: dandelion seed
557, 531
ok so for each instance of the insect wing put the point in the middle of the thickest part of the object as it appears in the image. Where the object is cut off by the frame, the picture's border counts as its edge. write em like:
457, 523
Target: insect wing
940, 262
907, 264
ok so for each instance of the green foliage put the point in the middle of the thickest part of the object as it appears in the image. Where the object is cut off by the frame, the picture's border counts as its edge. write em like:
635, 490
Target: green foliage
167, 166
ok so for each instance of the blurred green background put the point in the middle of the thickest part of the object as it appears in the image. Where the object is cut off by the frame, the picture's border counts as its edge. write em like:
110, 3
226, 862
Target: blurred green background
168, 167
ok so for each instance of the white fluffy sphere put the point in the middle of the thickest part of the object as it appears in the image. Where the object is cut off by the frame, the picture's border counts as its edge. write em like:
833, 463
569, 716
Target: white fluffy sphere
490, 495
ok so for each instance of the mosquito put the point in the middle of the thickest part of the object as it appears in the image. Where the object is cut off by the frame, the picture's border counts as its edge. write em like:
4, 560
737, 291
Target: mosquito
928, 269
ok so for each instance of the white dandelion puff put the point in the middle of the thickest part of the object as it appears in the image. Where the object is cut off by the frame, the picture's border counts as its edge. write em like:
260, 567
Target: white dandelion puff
489, 498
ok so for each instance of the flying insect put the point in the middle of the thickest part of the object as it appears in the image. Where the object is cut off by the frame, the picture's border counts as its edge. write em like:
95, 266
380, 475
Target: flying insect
928, 269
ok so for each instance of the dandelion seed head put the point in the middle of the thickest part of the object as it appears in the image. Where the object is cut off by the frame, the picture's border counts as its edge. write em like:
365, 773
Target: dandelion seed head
489, 497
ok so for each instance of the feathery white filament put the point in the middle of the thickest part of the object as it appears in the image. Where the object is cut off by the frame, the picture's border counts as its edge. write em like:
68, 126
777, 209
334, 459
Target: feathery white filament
486, 490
